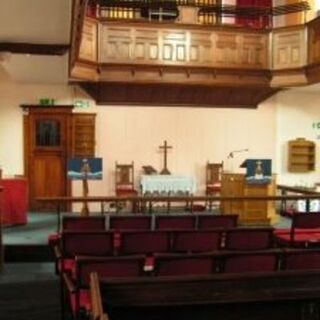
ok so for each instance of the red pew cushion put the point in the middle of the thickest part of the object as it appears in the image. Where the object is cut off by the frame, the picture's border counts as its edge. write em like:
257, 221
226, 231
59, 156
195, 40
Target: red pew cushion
84, 302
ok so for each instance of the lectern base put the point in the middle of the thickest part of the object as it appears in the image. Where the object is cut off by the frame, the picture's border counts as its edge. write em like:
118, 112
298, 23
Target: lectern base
250, 212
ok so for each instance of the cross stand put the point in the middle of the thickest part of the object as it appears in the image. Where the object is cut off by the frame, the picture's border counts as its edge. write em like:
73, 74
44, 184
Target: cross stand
165, 147
85, 190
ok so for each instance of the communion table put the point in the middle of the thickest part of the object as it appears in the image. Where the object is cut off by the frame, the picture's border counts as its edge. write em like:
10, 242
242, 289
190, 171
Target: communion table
167, 184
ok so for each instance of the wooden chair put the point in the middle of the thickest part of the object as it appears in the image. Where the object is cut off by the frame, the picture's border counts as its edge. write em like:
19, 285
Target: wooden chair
124, 180
213, 178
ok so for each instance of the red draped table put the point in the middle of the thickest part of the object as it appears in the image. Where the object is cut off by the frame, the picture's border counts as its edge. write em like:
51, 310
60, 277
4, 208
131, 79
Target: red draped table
1, 246
14, 201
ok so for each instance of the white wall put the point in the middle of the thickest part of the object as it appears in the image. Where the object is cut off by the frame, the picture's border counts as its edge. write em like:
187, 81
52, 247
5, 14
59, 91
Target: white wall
126, 134
197, 135
297, 111
12, 95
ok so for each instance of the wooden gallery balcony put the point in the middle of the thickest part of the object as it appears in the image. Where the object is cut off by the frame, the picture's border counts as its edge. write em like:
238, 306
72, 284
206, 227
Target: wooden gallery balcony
149, 62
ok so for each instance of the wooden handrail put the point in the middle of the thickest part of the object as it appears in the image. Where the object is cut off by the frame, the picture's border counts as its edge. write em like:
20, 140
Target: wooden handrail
97, 309
302, 190
311, 196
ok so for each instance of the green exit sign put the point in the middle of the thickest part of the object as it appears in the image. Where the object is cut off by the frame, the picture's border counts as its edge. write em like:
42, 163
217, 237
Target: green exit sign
81, 104
46, 102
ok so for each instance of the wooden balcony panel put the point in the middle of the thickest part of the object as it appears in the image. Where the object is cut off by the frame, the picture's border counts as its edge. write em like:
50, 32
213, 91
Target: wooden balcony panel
88, 43
289, 48
314, 42
137, 45
184, 75
84, 71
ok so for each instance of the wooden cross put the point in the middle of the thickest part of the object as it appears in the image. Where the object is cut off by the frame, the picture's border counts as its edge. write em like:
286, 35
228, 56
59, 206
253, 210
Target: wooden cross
165, 147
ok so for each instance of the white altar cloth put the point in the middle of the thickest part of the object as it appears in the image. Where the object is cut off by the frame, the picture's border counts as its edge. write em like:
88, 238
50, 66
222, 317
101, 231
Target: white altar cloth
167, 183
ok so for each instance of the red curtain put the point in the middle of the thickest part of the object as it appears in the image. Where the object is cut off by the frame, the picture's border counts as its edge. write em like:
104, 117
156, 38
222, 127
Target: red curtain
254, 21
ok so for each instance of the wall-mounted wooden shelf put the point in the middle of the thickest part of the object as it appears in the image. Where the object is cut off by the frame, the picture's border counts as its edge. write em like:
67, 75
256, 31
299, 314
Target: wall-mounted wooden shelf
301, 157
84, 135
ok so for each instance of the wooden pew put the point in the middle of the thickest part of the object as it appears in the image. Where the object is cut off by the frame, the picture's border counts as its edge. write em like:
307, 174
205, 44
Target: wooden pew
279, 295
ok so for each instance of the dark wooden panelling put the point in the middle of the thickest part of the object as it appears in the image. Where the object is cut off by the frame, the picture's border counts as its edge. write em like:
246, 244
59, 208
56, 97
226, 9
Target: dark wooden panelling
177, 95
34, 48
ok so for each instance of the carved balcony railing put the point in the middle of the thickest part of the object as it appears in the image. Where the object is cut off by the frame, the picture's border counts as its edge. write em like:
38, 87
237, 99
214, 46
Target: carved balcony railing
143, 52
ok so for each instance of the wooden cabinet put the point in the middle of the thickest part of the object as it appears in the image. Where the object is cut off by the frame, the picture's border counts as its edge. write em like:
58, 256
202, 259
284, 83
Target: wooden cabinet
84, 134
301, 157
47, 146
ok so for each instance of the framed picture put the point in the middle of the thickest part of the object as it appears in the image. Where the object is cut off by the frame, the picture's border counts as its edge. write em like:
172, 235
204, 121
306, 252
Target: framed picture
85, 168
258, 171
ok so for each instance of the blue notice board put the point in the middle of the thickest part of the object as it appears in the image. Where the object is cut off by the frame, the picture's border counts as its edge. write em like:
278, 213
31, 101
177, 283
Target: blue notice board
81, 168
258, 171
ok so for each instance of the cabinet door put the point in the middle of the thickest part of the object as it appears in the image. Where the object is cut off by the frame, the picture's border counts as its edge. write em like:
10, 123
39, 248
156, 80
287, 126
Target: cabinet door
84, 135
47, 138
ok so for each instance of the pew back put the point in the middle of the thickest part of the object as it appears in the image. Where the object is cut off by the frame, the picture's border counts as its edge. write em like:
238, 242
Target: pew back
76, 223
242, 296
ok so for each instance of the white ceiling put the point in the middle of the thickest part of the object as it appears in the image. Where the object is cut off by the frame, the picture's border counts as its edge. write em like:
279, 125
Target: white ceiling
39, 21
35, 21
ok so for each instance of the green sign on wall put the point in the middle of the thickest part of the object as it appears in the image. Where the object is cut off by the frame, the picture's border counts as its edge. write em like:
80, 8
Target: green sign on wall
81, 104
46, 102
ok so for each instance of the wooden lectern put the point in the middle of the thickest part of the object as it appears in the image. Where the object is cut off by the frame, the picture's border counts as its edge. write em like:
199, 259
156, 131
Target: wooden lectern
251, 212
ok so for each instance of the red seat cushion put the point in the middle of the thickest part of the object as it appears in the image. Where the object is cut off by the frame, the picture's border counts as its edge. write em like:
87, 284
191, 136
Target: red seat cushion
149, 263
281, 231
198, 207
117, 240
123, 191
84, 301
68, 265
214, 187
300, 236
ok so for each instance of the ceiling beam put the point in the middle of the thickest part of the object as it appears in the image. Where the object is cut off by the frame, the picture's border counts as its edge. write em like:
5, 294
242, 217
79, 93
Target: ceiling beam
34, 48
